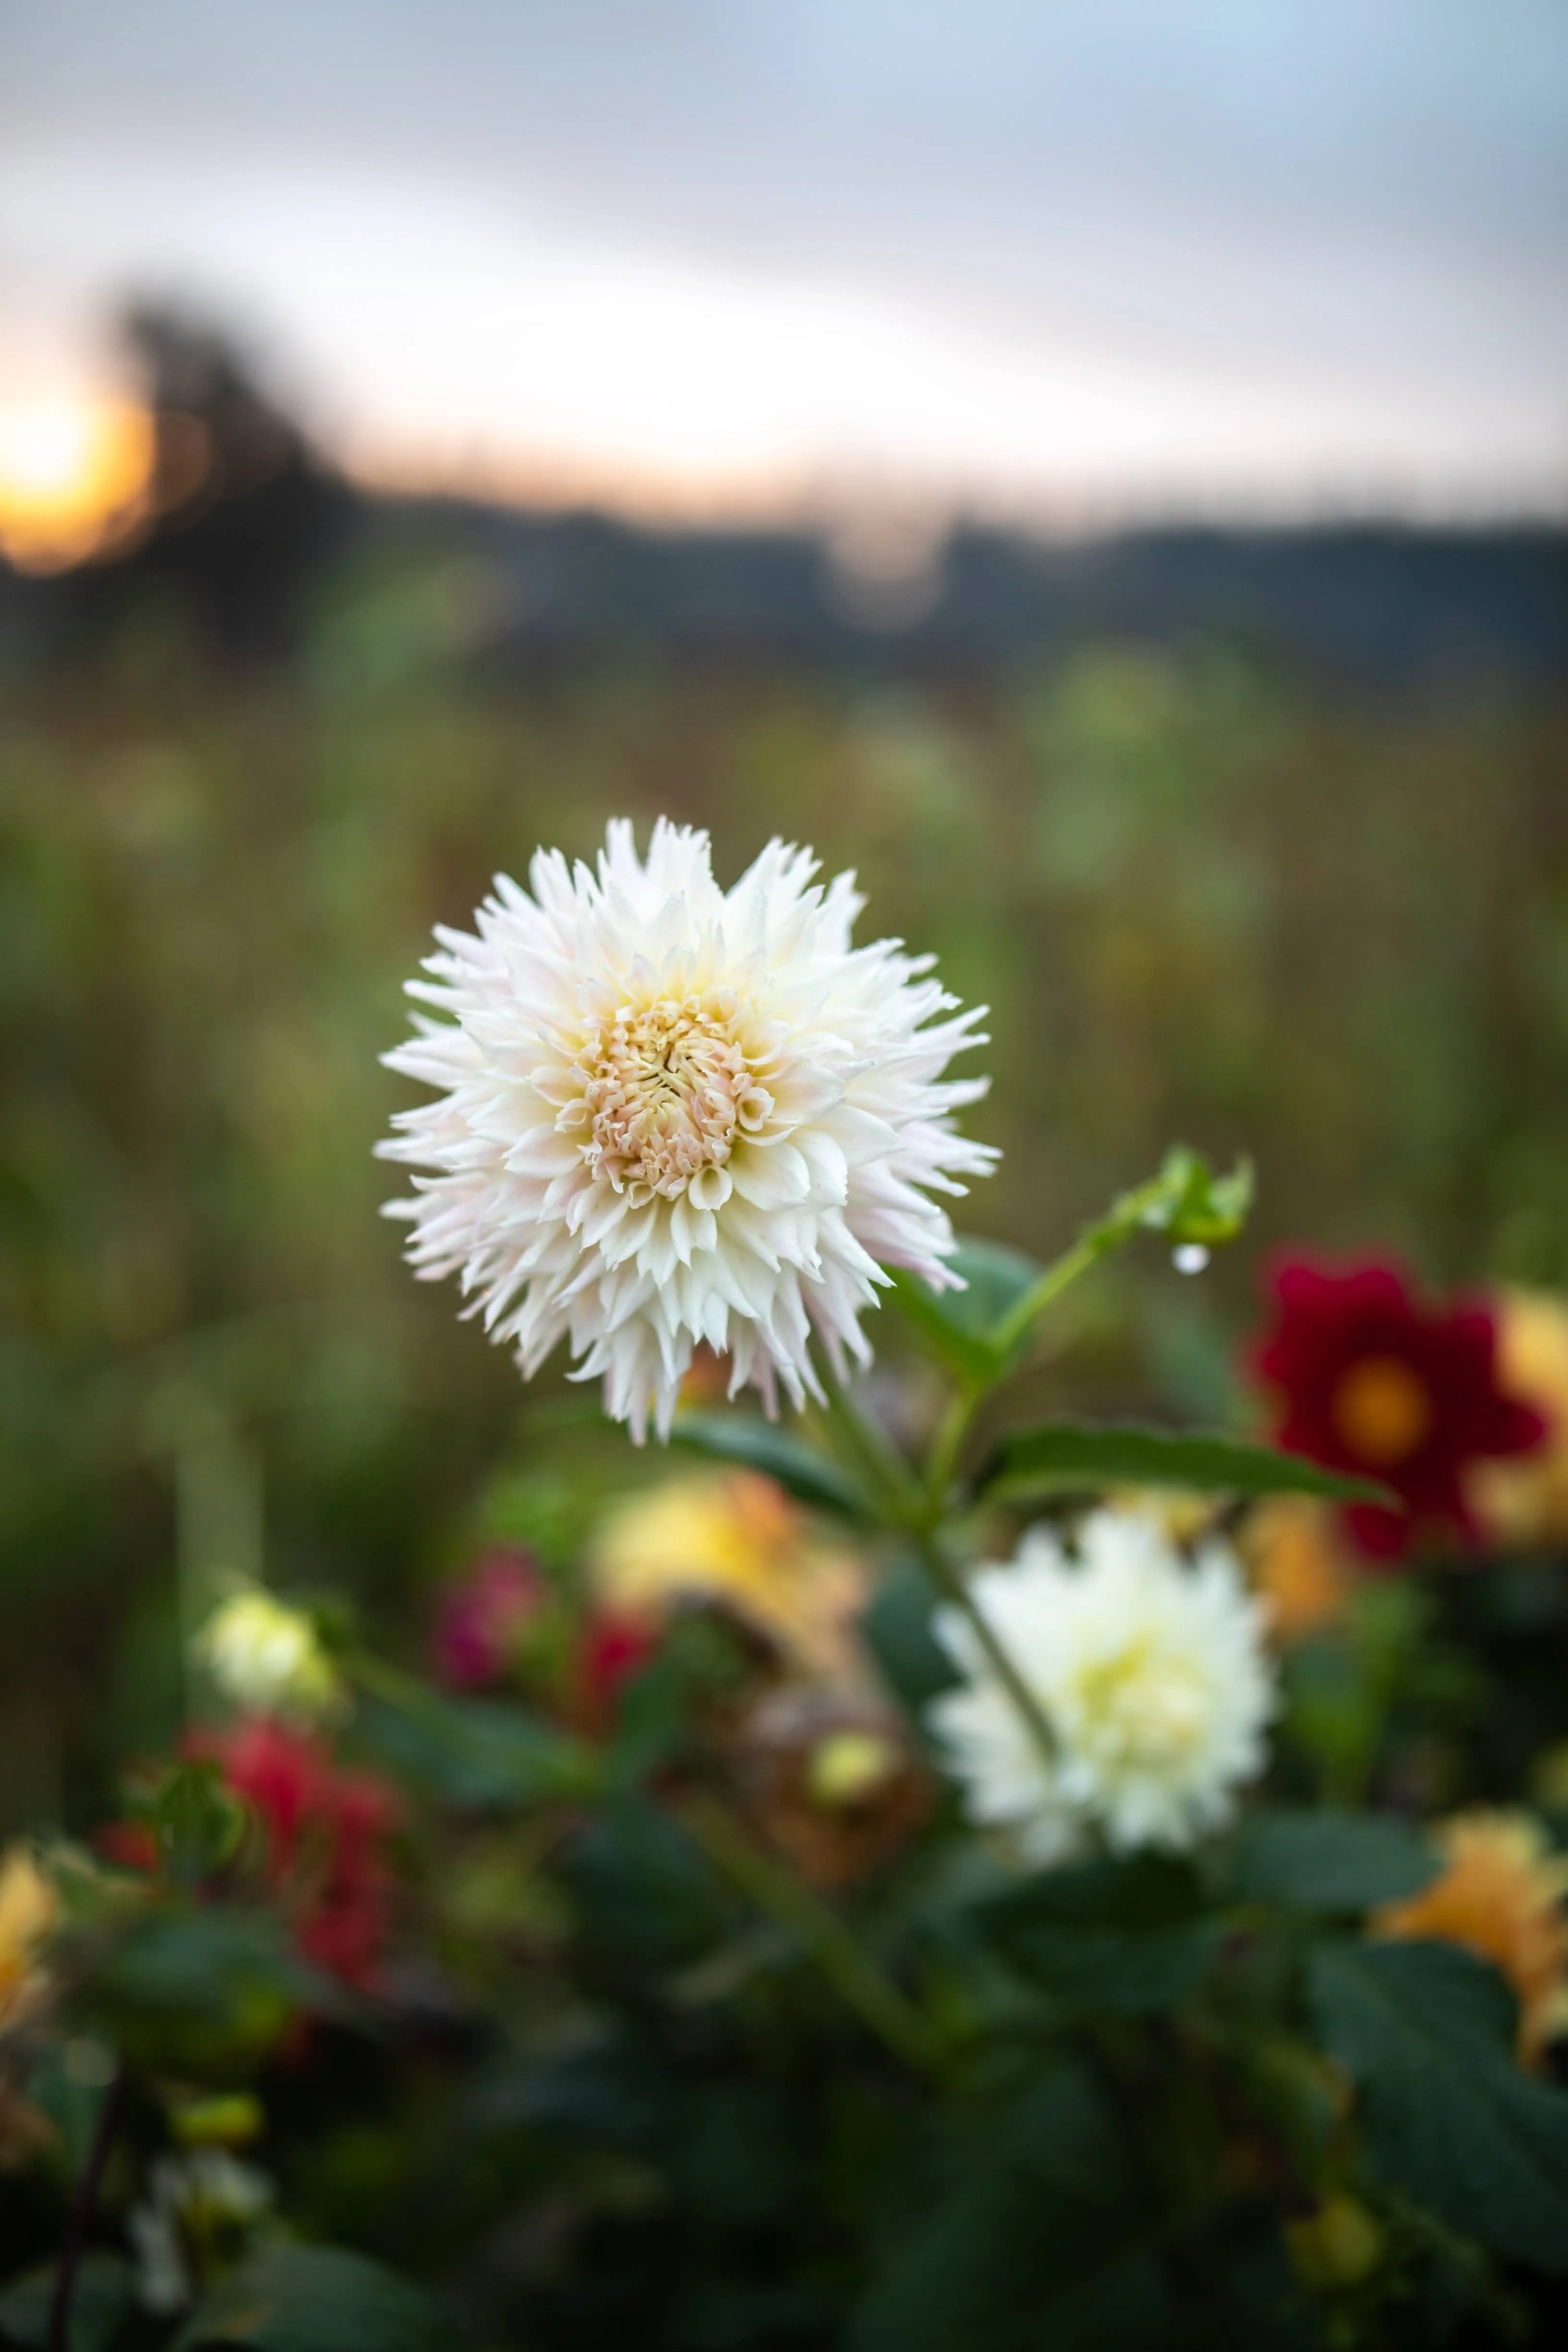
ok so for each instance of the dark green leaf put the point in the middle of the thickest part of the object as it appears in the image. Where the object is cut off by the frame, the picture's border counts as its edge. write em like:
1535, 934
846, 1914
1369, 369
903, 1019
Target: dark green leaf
196, 1819
1427, 2032
1329, 1861
958, 1324
203, 1989
1073, 1456
477, 1753
896, 1629
1031, 2238
99, 2306
743, 1437
1128, 1937
316, 2299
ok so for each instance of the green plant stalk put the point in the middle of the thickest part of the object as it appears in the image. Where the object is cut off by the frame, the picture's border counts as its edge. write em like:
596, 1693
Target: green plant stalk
954, 1588
1095, 1242
858, 1979
866, 1449
942, 1466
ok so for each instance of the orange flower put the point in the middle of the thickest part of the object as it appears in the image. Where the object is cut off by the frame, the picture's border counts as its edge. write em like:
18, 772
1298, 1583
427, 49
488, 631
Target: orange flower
1297, 1561
1524, 1502
1500, 1897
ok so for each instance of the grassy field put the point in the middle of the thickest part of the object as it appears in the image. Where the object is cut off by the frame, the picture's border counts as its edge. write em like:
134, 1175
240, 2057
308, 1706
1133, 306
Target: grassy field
1203, 902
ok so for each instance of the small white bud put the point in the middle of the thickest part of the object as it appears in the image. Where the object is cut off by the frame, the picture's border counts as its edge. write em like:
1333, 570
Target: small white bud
265, 1658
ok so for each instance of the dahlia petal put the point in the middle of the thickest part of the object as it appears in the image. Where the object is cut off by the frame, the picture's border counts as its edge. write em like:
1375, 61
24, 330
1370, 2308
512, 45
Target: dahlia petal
669, 1114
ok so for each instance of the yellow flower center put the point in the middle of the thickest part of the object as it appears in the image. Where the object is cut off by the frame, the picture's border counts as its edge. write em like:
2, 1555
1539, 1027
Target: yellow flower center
667, 1087
1382, 1410
1143, 1706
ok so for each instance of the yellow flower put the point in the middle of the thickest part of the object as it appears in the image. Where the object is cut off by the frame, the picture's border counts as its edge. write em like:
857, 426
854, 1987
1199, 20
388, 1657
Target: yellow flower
1298, 1565
1524, 1500
28, 1909
1500, 1897
739, 1541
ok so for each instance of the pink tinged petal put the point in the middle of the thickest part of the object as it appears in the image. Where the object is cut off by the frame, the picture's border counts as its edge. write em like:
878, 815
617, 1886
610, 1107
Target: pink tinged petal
542, 1152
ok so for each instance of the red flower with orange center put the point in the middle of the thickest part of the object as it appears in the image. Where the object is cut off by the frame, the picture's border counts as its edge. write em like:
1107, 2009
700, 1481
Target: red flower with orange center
1373, 1380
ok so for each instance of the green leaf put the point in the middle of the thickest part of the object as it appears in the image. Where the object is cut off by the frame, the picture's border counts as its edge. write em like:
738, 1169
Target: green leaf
1126, 1937
198, 1820
896, 1629
316, 2299
1031, 2238
1426, 2031
204, 1991
1074, 1455
743, 1437
959, 1326
480, 1754
99, 2307
1330, 1861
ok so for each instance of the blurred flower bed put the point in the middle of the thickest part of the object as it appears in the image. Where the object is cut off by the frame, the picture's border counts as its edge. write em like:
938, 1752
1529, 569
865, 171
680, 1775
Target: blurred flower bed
1056, 1838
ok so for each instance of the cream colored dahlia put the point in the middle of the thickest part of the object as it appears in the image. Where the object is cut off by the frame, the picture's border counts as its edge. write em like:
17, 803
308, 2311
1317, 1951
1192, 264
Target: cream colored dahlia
670, 1114
1150, 1670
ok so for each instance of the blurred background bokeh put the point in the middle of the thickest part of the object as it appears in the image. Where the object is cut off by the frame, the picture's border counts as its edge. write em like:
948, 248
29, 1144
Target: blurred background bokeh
1100, 471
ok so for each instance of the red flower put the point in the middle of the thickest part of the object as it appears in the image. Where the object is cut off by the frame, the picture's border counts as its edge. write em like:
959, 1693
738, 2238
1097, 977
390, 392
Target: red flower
1373, 1381
483, 1620
326, 1834
612, 1649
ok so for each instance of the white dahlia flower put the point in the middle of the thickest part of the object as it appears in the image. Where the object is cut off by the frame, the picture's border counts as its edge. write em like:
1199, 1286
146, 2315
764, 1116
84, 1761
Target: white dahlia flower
670, 1113
1151, 1672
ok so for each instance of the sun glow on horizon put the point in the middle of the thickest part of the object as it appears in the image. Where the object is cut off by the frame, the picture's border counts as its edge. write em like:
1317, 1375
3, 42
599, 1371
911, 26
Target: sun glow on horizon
74, 474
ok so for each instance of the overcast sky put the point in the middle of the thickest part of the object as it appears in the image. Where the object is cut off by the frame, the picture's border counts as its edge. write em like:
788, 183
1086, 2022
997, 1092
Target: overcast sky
1049, 255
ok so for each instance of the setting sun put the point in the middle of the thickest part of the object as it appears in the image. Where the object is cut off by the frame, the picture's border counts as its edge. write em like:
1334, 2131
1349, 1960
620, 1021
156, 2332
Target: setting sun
73, 472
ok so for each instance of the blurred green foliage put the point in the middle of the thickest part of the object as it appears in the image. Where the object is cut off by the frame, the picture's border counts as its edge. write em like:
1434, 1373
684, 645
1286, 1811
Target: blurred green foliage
1266, 915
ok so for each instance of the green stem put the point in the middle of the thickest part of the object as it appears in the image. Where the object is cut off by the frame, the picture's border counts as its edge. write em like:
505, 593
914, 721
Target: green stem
843, 1961
866, 1447
1027, 1706
1090, 1247
942, 1467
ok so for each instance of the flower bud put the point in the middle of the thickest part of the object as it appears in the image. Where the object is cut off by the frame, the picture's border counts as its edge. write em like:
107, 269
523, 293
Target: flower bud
265, 1658
1340, 2245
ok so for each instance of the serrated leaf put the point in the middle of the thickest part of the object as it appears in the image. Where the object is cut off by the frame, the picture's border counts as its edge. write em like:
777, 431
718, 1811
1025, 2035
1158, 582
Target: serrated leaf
1076, 1455
1330, 1861
1427, 2032
99, 2306
757, 1444
959, 1326
316, 2299
480, 1754
1126, 1937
